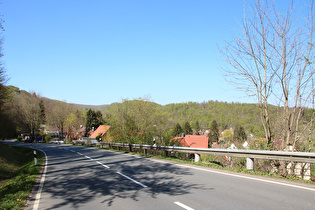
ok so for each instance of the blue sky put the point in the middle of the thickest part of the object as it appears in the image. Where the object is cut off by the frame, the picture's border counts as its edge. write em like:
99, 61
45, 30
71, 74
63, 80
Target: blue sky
101, 51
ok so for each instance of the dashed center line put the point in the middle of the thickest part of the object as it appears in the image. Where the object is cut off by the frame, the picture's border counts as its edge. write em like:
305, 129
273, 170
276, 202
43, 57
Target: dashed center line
183, 205
121, 174
102, 164
88, 157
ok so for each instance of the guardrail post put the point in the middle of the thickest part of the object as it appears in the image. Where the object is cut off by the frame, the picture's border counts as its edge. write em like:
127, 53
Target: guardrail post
35, 158
197, 157
250, 164
165, 153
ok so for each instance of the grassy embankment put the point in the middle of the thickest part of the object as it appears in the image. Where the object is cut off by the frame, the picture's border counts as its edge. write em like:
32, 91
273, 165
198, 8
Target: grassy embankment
17, 175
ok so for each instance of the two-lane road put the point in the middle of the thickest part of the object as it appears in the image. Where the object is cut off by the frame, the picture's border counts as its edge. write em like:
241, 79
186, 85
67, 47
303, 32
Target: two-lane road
88, 178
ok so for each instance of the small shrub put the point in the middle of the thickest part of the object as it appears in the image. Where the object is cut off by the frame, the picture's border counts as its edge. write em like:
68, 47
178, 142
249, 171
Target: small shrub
19, 138
48, 137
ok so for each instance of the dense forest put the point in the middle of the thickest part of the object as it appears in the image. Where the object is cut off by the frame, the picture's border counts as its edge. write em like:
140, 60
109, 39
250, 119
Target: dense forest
134, 121
226, 114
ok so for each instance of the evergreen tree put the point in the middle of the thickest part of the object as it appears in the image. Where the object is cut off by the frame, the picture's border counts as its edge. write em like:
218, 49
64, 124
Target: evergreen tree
93, 120
239, 134
177, 130
187, 129
197, 125
98, 119
214, 133
42, 115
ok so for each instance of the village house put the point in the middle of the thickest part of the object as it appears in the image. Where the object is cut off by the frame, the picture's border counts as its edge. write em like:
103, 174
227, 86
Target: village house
195, 141
52, 130
102, 131
80, 132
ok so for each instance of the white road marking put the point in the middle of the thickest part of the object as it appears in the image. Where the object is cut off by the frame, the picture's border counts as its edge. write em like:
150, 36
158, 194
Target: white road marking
72, 150
88, 157
183, 205
244, 177
102, 164
79, 153
139, 183
41, 185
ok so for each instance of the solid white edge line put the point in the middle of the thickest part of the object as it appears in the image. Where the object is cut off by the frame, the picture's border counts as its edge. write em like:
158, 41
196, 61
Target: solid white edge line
79, 153
42, 180
261, 180
242, 176
183, 205
102, 164
139, 183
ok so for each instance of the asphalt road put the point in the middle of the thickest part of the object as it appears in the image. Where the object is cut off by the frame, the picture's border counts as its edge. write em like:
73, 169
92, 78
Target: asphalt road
88, 178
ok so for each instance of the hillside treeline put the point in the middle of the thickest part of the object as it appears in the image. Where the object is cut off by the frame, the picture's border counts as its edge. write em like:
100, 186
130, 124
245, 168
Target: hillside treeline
24, 112
21, 105
137, 121
132, 121
226, 114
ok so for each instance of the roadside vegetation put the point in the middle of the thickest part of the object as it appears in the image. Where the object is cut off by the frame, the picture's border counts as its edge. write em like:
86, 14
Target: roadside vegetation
216, 162
17, 175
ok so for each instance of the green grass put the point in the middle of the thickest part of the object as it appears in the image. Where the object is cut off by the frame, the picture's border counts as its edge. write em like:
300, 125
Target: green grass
17, 175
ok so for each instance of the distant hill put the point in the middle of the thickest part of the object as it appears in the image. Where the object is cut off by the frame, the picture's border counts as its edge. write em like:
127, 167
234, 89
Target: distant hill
95, 107
226, 114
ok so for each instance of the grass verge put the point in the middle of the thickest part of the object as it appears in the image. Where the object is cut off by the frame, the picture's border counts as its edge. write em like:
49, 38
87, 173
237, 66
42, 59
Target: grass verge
17, 175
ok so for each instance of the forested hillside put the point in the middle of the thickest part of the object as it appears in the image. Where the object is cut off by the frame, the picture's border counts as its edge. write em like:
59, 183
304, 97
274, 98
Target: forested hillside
226, 114
199, 115
27, 113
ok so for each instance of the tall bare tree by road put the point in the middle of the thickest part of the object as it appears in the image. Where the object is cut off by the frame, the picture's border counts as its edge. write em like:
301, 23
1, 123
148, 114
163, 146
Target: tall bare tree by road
2, 70
271, 59
59, 113
28, 110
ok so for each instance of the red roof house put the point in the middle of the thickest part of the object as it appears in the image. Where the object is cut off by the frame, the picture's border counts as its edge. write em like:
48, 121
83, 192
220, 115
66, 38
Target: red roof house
195, 141
101, 130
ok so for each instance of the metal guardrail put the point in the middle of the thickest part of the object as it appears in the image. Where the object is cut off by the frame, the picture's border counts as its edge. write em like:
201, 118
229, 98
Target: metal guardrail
304, 157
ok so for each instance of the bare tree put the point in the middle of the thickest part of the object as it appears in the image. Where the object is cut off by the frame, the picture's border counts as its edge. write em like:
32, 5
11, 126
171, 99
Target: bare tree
28, 111
59, 113
271, 59
3, 94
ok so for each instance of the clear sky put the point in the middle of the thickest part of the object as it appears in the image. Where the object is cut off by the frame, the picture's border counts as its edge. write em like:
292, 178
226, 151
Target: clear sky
102, 51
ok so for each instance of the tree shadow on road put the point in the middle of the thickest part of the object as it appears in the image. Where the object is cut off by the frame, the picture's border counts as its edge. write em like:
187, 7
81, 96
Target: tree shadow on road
87, 181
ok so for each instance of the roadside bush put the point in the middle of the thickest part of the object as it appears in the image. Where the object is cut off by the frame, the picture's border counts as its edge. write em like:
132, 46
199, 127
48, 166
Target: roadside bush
47, 138
99, 137
19, 138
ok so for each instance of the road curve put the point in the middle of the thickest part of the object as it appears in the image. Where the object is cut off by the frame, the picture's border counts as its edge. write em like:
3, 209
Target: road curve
88, 178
